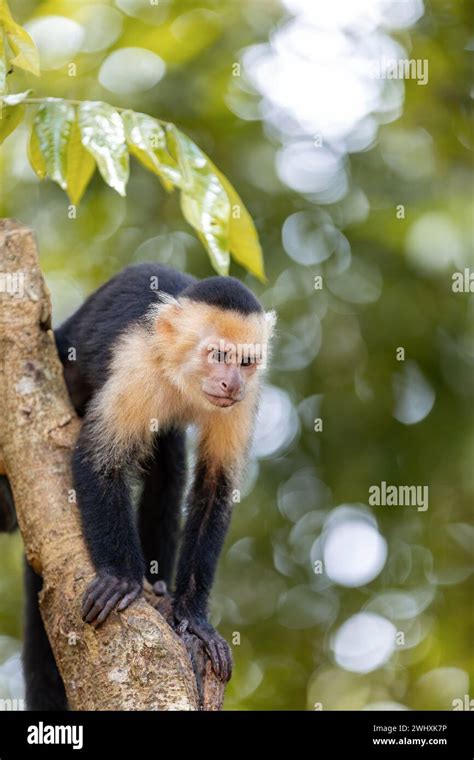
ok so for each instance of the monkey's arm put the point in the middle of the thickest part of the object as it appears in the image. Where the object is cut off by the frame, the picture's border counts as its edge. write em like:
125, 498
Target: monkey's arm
209, 513
110, 534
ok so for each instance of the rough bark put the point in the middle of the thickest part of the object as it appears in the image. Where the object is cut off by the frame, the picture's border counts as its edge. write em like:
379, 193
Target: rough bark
134, 661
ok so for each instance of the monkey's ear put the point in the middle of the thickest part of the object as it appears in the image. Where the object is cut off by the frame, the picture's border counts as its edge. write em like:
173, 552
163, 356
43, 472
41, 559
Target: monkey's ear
271, 320
165, 311
164, 299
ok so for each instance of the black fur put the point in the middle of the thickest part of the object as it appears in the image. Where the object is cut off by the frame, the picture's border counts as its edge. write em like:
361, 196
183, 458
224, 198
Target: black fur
94, 328
160, 505
44, 687
224, 292
209, 513
107, 517
120, 548
7, 507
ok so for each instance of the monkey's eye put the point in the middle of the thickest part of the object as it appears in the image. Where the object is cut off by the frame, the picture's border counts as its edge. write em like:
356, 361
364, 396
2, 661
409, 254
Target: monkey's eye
247, 363
220, 356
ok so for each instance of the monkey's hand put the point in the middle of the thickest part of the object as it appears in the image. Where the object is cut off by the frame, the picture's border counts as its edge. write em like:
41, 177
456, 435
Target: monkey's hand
105, 593
216, 647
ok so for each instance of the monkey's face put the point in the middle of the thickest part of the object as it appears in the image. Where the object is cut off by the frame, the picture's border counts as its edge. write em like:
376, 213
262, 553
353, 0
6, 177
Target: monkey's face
214, 357
233, 359
227, 374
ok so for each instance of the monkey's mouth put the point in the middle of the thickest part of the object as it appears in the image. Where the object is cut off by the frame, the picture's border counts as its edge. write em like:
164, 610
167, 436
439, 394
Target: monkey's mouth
221, 401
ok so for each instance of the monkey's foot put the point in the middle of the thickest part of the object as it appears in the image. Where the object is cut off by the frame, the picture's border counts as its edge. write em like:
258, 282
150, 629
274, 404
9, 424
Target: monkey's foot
105, 593
216, 647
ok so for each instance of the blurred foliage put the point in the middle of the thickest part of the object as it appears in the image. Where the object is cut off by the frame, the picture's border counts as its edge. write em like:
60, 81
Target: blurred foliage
17, 49
307, 638
68, 138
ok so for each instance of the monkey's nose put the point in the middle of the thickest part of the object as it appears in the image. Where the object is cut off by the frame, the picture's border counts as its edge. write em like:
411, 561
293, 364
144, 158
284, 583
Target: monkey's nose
229, 387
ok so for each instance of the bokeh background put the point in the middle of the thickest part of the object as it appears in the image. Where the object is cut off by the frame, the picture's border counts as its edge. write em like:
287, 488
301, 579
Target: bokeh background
368, 182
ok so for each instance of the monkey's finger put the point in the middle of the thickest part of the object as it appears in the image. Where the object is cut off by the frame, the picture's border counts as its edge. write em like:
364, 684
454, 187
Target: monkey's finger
214, 654
95, 589
92, 614
223, 661
87, 601
108, 608
96, 609
226, 657
230, 669
92, 592
182, 627
111, 592
100, 599
160, 588
129, 598
221, 658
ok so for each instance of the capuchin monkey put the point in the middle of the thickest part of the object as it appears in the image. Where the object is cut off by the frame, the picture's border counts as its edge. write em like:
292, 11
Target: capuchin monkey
150, 353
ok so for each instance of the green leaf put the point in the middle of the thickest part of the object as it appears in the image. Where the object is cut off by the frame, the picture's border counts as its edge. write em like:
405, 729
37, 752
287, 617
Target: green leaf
3, 63
10, 117
80, 166
64, 149
35, 156
52, 126
180, 163
25, 54
244, 243
103, 135
56, 149
146, 140
204, 202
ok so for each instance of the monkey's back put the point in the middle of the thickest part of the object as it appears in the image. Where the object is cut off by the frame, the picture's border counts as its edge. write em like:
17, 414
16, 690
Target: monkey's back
94, 328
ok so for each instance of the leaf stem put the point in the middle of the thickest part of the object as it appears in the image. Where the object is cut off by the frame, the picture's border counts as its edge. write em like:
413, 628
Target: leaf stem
40, 101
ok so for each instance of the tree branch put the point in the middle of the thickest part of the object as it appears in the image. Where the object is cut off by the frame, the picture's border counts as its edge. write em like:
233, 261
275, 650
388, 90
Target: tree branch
134, 661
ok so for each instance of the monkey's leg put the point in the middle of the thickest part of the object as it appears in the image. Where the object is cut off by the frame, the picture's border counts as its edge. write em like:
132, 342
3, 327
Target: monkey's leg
160, 504
7, 507
209, 513
44, 687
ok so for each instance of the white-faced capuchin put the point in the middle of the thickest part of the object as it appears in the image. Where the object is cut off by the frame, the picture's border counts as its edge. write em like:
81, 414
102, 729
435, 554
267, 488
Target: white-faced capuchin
150, 353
